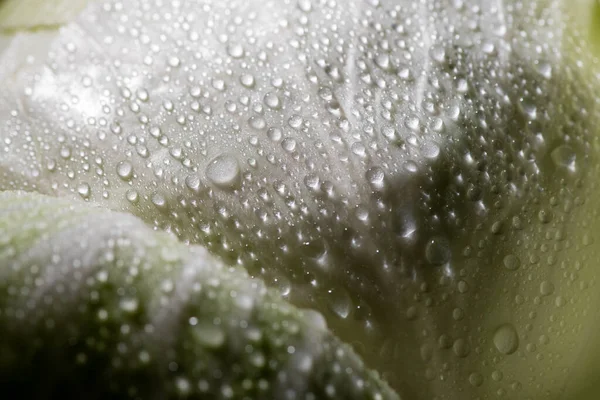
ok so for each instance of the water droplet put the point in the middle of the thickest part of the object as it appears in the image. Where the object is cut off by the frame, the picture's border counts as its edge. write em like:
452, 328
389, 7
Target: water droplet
412, 123
437, 251
305, 5
546, 288
174, 61
375, 176
84, 190
247, 80
192, 182
257, 122
461, 348
430, 150
383, 61
158, 200
224, 172
235, 50
511, 262
288, 144
438, 53
564, 156
132, 196
274, 134
295, 121
125, 170
545, 69
219, 84
545, 216
476, 379
340, 302
506, 339
272, 100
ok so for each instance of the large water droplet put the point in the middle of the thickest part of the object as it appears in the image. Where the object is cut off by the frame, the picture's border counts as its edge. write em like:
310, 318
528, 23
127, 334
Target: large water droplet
224, 172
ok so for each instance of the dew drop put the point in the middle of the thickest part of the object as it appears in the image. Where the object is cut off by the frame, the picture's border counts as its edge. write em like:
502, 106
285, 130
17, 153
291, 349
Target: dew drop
383, 61
461, 348
506, 339
375, 176
437, 251
132, 196
476, 379
288, 144
257, 122
272, 100
224, 172
340, 302
546, 288
84, 190
305, 5
511, 262
158, 200
247, 80
192, 182
235, 50
295, 121
564, 156
274, 134
125, 170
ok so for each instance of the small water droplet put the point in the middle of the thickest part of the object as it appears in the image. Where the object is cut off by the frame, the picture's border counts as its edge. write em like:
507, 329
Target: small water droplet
125, 170
461, 348
376, 178
476, 379
174, 61
546, 288
564, 156
383, 61
295, 121
340, 302
235, 50
247, 80
511, 262
288, 144
437, 251
506, 339
305, 5
158, 200
257, 122
132, 196
274, 134
84, 190
272, 100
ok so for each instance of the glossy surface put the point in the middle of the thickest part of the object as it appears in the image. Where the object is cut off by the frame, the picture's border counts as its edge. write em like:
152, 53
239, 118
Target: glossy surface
422, 173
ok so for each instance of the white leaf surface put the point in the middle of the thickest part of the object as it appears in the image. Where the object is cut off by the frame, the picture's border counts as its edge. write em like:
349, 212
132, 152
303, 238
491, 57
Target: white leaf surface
417, 171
